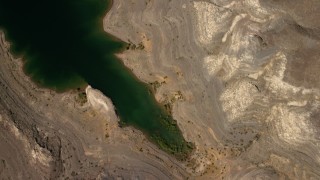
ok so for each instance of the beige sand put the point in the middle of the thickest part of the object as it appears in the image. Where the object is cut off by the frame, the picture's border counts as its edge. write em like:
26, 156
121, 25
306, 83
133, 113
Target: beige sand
242, 77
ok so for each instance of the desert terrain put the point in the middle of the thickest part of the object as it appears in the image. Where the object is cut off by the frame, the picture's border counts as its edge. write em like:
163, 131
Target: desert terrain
240, 77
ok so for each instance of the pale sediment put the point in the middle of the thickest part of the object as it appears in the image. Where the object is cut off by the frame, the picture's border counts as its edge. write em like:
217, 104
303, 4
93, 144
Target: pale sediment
49, 135
247, 73
240, 76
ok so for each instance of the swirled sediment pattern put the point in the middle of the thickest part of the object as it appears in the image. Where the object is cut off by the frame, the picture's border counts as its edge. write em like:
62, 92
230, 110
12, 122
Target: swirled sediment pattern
49, 135
241, 76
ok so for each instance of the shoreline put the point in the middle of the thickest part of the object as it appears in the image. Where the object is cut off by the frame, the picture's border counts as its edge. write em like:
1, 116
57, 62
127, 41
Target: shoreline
249, 117
228, 100
168, 136
83, 129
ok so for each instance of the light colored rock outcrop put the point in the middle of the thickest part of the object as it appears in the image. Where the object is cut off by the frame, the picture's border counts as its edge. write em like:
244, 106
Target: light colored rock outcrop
244, 68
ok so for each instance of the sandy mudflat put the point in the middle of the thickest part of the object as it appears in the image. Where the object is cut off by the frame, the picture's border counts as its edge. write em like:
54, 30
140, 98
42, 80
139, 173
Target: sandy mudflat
241, 77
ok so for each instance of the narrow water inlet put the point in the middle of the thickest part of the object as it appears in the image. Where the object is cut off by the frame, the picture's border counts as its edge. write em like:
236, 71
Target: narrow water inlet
64, 46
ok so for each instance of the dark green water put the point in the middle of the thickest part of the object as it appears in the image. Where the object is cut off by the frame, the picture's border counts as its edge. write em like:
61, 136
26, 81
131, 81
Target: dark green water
64, 46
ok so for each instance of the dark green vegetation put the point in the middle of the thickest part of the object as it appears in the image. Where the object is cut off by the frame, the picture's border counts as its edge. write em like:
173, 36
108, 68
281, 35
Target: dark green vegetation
81, 98
64, 46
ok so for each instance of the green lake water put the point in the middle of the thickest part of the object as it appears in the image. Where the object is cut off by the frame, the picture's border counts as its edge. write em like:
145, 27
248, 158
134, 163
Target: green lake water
64, 47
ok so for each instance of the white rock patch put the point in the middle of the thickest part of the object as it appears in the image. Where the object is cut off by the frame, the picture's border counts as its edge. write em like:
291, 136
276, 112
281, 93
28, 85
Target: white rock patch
292, 127
237, 98
97, 100
210, 21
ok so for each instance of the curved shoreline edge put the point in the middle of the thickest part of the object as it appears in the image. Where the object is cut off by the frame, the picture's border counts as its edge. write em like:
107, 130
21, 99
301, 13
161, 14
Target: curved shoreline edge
134, 103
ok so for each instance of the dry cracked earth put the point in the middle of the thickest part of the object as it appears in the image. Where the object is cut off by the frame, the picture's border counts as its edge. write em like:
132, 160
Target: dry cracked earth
242, 78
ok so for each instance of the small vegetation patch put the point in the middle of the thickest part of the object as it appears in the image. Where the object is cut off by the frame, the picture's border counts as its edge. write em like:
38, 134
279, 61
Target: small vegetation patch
81, 98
